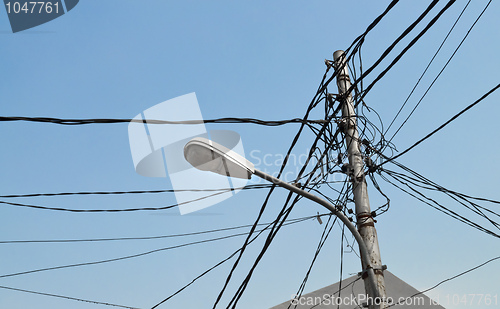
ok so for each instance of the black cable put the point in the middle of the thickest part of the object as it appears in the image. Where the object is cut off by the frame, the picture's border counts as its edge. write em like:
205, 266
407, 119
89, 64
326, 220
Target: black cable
462, 199
285, 211
443, 125
393, 45
249, 187
425, 183
434, 204
338, 291
356, 44
446, 280
398, 57
152, 121
108, 210
444, 67
142, 253
427, 67
305, 280
211, 268
282, 214
67, 297
147, 237
385, 207
326, 232
235, 299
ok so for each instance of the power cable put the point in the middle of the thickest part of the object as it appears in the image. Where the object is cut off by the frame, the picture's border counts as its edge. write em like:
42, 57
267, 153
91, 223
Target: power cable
338, 292
398, 57
434, 204
211, 268
426, 68
249, 187
446, 280
393, 45
109, 210
153, 121
149, 237
139, 254
444, 67
326, 232
282, 214
356, 44
324, 236
67, 297
443, 125
426, 184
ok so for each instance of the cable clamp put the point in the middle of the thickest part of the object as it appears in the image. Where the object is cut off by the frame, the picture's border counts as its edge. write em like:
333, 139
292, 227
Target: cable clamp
364, 274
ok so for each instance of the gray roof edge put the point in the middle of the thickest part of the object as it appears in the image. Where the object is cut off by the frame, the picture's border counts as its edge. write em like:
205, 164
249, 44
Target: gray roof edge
352, 295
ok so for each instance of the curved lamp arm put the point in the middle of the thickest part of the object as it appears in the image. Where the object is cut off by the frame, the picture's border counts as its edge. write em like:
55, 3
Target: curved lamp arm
362, 246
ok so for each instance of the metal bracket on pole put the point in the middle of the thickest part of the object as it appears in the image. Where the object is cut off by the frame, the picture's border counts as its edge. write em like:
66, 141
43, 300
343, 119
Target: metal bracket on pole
364, 273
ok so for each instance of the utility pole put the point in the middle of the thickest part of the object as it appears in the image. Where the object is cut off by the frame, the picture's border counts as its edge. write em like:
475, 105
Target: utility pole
364, 219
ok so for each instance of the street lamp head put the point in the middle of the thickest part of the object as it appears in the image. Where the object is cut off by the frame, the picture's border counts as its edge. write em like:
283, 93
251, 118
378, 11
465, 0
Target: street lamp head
207, 155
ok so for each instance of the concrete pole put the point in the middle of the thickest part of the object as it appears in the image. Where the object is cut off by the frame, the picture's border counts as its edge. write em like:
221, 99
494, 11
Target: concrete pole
365, 222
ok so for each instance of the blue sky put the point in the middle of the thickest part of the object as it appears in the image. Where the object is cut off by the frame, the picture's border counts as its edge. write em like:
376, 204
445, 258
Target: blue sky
258, 59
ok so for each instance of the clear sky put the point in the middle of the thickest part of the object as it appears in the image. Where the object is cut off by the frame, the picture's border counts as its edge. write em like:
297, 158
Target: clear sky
256, 59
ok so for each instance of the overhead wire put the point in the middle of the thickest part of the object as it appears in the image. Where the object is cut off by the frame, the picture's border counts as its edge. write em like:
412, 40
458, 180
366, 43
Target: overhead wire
356, 44
233, 302
248, 187
427, 68
393, 45
443, 125
445, 280
362, 133
413, 41
66, 297
444, 67
330, 296
438, 206
147, 252
324, 134
326, 232
220, 191
320, 137
211, 268
226, 120
110, 210
341, 261
149, 237
284, 212
427, 184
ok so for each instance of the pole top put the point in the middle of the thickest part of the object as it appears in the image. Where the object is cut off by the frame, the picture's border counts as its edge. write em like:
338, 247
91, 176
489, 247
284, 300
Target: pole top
338, 54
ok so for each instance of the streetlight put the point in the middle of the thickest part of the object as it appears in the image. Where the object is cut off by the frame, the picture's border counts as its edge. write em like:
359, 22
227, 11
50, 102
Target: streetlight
208, 155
